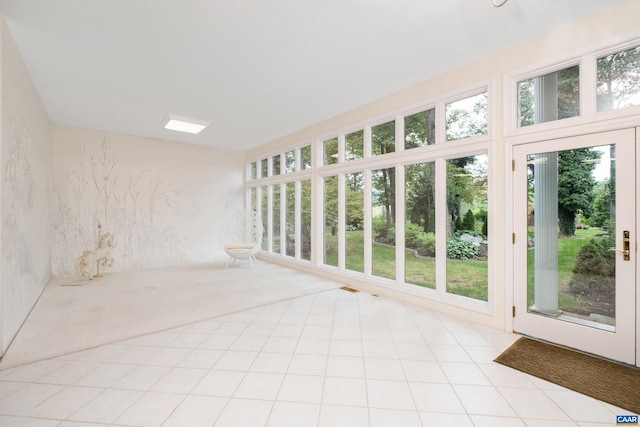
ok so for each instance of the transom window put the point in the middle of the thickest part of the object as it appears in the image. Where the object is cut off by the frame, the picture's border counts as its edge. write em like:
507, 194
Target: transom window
618, 80
553, 96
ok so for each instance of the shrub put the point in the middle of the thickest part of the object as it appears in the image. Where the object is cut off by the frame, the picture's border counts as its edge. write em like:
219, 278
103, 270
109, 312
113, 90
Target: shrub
460, 249
594, 270
391, 235
380, 228
457, 225
412, 233
427, 244
469, 221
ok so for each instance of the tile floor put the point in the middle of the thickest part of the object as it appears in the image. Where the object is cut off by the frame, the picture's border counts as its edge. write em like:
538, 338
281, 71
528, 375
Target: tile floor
329, 359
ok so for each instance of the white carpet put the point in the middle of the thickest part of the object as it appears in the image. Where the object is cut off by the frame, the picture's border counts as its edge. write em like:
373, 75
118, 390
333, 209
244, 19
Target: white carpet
119, 306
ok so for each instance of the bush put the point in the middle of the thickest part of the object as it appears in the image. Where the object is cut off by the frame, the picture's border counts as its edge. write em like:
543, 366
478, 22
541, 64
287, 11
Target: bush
469, 221
412, 233
380, 228
457, 224
460, 249
416, 238
382, 233
427, 244
594, 270
391, 236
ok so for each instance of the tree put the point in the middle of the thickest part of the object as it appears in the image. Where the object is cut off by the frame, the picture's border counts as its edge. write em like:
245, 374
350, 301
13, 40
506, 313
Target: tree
420, 191
575, 186
568, 81
383, 139
331, 203
459, 190
618, 79
384, 183
469, 221
526, 103
601, 205
420, 129
354, 197
305, 219
465, 121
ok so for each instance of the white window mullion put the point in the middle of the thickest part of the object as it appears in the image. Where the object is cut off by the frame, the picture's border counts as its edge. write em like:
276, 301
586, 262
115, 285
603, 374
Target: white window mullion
441, 123
588, 83
367, 141
399, 133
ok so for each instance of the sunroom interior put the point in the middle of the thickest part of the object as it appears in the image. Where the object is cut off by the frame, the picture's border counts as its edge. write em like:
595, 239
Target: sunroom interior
432, 195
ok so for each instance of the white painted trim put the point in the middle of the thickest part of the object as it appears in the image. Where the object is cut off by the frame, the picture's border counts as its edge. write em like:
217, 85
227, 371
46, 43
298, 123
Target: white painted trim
637, 252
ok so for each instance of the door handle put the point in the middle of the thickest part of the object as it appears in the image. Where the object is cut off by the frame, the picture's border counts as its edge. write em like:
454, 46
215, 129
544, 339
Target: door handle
626, 245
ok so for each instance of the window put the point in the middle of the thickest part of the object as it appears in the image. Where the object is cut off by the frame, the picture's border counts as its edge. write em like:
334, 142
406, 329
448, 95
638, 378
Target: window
354, 145
264, 168
467, 117
305, 157
253, 199
383, 138
467, 229
305, 219
383, 212
330, 221
290, 161
354, 221
330, 150
253, 170
618, 80
276, 237
420, 224
443, 205
290, 219
264, 213
276, 165
420, 129
553, 96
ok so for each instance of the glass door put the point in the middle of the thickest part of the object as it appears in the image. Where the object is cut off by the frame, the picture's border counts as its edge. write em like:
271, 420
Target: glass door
575, 243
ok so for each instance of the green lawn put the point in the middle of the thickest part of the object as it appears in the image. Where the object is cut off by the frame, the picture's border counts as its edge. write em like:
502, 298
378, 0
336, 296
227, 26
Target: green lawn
468, 278
568, 249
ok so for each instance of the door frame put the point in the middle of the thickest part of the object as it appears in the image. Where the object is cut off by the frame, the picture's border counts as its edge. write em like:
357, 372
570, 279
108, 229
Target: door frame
510, 208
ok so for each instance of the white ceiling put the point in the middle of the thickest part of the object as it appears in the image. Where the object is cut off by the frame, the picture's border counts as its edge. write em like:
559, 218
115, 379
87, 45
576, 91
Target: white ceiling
256, 69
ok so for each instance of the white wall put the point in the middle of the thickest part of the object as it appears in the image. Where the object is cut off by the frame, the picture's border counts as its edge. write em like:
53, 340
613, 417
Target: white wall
164, 202
26, 178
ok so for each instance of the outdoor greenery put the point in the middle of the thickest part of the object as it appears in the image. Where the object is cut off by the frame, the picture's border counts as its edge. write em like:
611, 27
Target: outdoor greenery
461, 249
568, 300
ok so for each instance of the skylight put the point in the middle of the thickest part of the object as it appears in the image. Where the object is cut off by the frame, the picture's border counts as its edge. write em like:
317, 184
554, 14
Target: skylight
184, 124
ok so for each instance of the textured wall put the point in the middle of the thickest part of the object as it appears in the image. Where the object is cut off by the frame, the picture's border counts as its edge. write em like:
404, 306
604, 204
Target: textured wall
26, 177
164, 202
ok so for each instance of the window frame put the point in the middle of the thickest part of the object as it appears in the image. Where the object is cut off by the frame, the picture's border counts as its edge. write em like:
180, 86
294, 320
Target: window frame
440, 151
